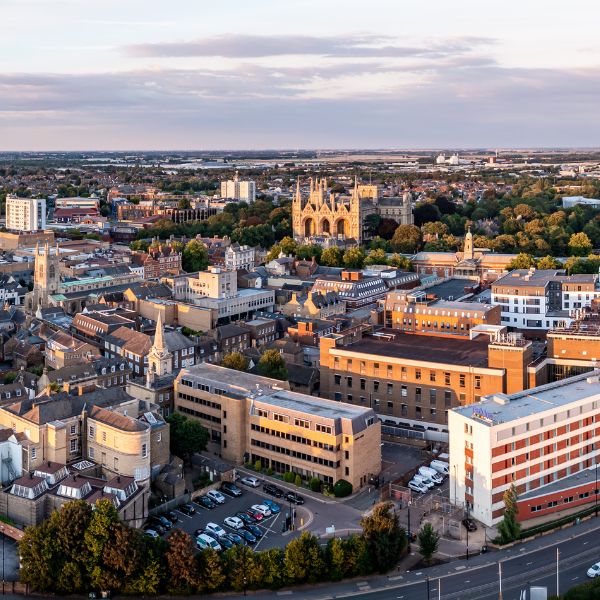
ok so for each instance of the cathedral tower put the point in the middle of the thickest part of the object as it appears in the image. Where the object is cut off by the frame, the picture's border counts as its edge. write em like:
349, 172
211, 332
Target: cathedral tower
159, 358
46, 277
468, 252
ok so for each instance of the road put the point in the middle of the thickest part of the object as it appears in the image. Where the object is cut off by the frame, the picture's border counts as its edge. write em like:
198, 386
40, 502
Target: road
477, 579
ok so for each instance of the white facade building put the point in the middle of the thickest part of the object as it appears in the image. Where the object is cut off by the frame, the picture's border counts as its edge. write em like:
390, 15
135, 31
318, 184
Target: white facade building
25, 214
240, 257
537, 440
235, 189
571, 201
545, 299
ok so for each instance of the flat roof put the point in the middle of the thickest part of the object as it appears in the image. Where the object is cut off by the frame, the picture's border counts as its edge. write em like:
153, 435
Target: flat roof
424, 348
504, 408
572, 481
453, 288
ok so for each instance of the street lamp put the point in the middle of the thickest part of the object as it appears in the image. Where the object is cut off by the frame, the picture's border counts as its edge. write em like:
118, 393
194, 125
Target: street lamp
409, 536
468, 525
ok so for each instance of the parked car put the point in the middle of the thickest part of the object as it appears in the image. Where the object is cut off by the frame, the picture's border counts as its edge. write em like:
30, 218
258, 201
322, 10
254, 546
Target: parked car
245, 517
205, 502
163, 521
204, 542
594, 570
215, 528
436, 477
255, 530
157, 527
250, 481
236, 539
440, 466
226, 542
275, 508
187, 509
428, 483
256, 516
231, 489
172, 516
294, 498
265, 511
233, 522
417, 487
151, 533
199, 532
216, 496
248, 537
469, 524
269, 488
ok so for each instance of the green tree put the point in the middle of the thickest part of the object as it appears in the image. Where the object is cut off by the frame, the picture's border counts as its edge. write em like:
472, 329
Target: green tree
184, 204
354, 258
332, 257
298, 480
235, 360
509, 528
271, 364
400, 262
521, 261
548, 262
194, 256
429, 539
184, 576
10, 377
140, 245
335, 559
407, 239
212, 576
243, 568
358, 561
376, 257
187, 436
303, 560
307, 252
272, 567
384, 537
579, 244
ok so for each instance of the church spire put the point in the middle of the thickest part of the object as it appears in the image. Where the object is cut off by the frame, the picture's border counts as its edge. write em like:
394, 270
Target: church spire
159, 342
298, 196
469, 251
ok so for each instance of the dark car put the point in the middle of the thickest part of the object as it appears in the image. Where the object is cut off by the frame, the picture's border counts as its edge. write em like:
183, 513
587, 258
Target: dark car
469, 524
256, 531
230, 489
172, 516
236, 539
225, 542
199, 532
248, 537
162, 521
205, 502
187, 509
248, 520
294, 498
269, 488
156, 525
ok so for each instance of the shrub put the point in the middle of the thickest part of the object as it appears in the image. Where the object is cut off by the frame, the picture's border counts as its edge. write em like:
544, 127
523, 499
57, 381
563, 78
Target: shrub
315, 484
298, 481
258, 466
342, 488
288, 477
269, 471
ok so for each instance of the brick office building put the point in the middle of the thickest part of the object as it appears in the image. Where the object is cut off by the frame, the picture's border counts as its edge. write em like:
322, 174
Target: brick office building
543, 440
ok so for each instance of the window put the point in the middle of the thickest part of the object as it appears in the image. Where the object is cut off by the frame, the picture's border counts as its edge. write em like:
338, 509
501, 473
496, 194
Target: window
446, 378
462, 380
363, 384
390, 389
418, 374
337, 379
144, 450
91, 431
432, 397
418, 395
477, 382
432, 376
404, 391
376, 386
302, 423
91, 452
73, 446
33, 453
349, 381
116, 463
104, 436
73, 429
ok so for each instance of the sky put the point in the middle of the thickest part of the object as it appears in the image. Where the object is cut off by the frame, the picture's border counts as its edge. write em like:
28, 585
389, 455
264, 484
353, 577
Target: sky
288, 74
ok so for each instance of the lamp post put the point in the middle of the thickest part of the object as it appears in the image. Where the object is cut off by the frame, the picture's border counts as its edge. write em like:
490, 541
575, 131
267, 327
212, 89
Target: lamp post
499, 580
596, 489
557, 573
455, 480
428, 588
468, 525
409, 536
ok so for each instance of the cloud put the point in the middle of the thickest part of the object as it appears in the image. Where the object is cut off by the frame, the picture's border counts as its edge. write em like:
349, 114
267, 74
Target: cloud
455, 101
260, 46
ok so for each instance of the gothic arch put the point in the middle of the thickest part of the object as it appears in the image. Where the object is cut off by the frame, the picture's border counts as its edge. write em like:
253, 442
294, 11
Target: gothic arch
342, 227
308, 226
326, 226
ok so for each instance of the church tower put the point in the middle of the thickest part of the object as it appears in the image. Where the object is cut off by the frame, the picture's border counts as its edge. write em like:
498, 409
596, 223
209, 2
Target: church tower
468, 252
46, 277
159, 358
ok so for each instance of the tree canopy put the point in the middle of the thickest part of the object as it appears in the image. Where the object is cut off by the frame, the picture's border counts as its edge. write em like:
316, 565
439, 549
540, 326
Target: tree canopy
187, 436
271, 364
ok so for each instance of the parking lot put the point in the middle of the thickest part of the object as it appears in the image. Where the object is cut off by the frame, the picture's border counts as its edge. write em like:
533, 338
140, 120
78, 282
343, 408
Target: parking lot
272, 527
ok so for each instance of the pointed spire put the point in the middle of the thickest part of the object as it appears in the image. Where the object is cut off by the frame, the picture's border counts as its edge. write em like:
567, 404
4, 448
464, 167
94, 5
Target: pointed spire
159, 342
298, 197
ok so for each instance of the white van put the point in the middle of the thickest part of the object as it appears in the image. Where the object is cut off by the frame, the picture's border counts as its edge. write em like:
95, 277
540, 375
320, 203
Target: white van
440, 466
424, 480
431, 474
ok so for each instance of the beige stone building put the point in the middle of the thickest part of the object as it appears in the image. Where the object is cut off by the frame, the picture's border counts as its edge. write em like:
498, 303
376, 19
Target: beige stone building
254, 418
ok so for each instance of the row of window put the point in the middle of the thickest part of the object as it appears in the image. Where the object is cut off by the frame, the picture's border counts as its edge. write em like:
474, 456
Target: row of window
567, 500
183, 396
300, 455
198, 414
293, 438
418, 375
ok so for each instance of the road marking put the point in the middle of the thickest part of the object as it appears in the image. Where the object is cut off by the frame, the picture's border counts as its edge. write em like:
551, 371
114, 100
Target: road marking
419, 573
396, 578
584, 543
529, 563
574, 578
460, 568
285, 593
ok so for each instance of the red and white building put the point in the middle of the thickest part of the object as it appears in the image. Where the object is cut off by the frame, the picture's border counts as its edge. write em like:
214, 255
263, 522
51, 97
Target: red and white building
544, 440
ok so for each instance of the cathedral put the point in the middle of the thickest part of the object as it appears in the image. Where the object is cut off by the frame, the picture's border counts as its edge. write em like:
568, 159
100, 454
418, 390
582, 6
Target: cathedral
46, 277
325, 217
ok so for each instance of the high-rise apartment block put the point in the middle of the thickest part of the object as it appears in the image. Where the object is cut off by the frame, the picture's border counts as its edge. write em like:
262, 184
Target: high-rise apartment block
25, 214
236, 189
